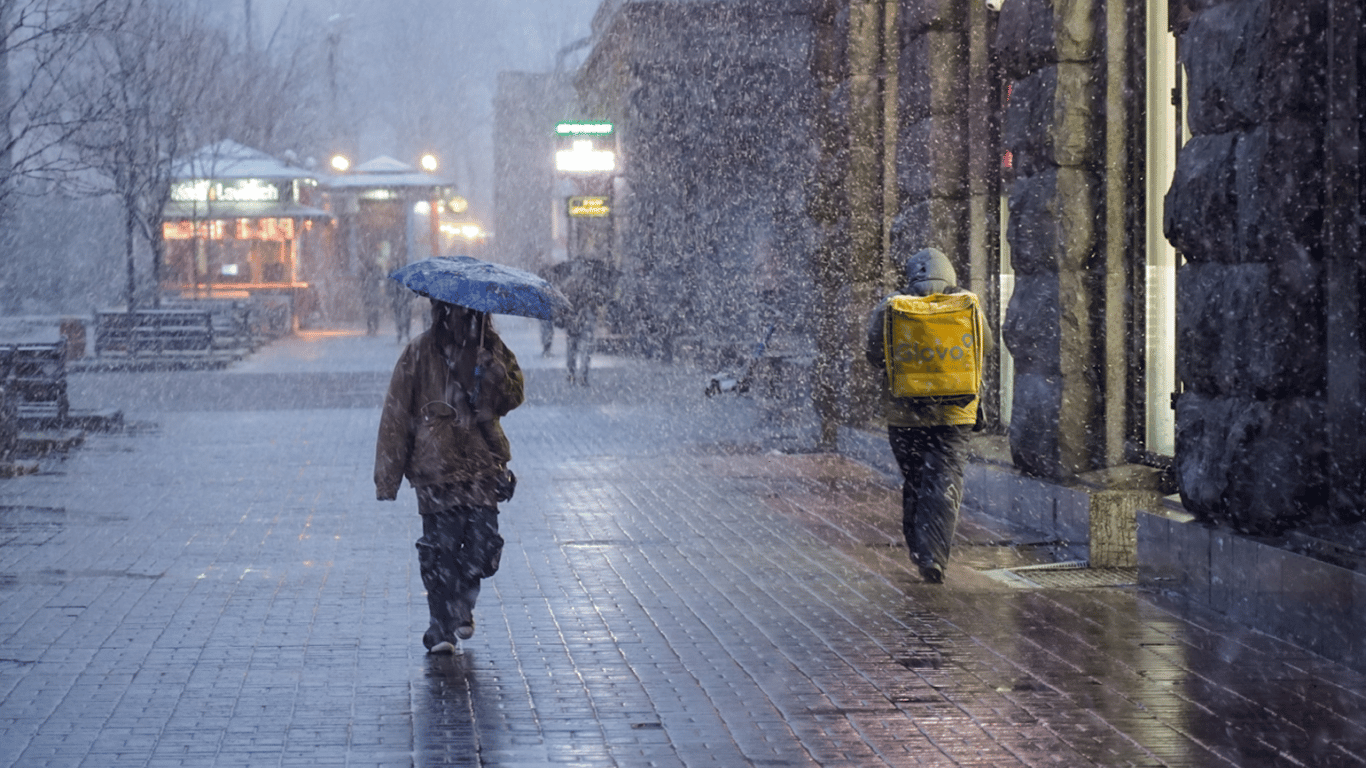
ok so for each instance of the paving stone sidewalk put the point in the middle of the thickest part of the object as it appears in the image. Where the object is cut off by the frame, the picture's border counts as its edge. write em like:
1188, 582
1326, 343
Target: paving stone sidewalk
684, 584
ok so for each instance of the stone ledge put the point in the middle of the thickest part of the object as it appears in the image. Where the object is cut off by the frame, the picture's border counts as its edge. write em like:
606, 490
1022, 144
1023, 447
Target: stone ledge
1314, 604
1317, 605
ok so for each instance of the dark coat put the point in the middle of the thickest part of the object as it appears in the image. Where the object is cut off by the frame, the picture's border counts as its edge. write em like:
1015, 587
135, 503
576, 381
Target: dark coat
430, 434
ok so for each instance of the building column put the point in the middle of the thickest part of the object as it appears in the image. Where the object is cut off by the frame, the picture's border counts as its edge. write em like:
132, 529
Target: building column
1051, 51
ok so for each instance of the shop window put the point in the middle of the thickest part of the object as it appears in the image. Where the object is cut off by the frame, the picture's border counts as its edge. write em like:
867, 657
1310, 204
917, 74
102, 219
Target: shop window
1165, 133
1006, 276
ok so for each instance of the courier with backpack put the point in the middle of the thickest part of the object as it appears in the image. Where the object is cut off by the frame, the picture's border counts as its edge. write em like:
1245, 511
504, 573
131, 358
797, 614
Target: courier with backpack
928, 342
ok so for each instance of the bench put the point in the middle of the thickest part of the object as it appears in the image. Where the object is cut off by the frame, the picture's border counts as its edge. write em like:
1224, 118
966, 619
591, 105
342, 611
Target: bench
233, 321
154, 332
35, 380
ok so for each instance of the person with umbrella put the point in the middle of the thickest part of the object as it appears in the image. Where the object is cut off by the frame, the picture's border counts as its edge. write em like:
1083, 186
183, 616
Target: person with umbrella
440, 429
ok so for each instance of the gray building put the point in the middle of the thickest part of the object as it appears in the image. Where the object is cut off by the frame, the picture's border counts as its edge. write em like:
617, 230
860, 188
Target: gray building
1161, 203
712, 104
527, 106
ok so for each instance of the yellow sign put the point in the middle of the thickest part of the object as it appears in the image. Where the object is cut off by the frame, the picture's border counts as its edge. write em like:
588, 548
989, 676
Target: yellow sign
590, 206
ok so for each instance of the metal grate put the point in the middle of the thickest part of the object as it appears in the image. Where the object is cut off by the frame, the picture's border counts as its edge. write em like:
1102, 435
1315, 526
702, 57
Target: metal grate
1071, 575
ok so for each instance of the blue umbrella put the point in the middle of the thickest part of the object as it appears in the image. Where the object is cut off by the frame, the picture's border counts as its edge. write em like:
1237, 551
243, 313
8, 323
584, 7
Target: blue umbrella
483, 285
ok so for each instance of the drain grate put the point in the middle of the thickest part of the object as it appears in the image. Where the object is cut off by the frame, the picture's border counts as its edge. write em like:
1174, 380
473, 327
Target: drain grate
1071, 575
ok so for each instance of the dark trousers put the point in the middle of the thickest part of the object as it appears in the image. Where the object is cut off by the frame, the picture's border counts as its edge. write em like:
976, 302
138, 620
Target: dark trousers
931, 461
580, 351
460, 546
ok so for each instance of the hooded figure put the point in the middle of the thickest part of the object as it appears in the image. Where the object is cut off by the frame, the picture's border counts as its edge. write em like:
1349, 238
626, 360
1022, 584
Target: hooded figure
928, 439
439, 428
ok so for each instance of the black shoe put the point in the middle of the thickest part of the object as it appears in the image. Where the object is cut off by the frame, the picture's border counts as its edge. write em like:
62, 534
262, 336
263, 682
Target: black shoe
932, 574
432, 637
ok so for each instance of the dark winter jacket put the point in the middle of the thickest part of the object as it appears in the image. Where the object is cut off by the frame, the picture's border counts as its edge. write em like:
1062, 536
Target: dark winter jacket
428, 431
904, 412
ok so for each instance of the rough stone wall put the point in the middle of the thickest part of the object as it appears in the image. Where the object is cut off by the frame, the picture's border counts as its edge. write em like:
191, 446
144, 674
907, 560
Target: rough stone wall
713, 104
933, 128
1051, 51
1245, 209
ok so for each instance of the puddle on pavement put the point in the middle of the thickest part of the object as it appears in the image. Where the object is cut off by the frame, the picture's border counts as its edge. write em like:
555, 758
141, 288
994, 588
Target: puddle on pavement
26, 526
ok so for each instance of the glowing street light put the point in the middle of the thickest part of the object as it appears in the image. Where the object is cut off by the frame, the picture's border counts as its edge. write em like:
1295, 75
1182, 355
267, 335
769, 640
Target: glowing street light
429, 164
584, 159
340, 163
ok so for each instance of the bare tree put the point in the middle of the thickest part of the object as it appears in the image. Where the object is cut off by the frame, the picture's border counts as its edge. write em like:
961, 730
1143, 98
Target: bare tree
136, 97
38, 41
158, 82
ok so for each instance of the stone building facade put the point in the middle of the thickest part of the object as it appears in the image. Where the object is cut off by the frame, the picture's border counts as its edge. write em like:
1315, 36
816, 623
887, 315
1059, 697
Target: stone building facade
711, 103
1160, 202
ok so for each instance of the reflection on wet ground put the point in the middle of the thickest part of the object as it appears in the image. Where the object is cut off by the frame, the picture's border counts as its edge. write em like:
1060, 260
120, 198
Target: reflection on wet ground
685, 583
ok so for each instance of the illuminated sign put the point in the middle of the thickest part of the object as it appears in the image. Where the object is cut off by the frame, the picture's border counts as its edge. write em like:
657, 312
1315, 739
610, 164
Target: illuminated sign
234, 190
584, 159
582, 129
190, 191
590, 206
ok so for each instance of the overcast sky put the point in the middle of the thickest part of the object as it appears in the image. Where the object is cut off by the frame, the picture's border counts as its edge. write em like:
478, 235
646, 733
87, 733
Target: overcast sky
419, 75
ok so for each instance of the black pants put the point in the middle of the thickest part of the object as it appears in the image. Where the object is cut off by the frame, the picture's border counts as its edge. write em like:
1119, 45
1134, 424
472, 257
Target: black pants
460, 546
580, 352
931, 461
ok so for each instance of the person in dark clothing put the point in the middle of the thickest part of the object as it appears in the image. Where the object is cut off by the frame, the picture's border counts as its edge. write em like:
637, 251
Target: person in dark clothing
587, 287
371, 284
928, 439
402, 300
579, 333
440, 429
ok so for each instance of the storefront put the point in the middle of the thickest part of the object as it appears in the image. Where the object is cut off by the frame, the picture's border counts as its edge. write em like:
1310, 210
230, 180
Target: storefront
384, 218
239, 226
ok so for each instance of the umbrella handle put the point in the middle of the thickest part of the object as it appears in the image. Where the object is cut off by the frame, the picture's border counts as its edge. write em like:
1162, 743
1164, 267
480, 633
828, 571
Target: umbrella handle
478, 369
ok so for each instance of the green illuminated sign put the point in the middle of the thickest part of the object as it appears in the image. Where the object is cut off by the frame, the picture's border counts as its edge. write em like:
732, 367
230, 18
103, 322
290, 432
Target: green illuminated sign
570, 128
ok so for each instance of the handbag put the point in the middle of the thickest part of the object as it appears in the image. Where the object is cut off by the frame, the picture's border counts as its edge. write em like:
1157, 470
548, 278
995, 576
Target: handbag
506, 486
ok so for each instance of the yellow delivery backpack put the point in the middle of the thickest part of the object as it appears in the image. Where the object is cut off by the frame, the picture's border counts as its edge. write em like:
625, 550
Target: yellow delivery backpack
932, 347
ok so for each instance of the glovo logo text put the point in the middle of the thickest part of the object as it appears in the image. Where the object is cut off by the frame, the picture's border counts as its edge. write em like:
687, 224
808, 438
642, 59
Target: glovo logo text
913, 353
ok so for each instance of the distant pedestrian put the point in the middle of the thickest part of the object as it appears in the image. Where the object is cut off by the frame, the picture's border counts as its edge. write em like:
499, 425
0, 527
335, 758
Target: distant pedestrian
371, 284
588, 287
928, 439
580, 337
440, 429
402, 299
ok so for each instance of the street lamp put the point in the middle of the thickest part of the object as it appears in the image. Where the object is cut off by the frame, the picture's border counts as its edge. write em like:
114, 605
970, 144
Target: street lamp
430, 164
340, 163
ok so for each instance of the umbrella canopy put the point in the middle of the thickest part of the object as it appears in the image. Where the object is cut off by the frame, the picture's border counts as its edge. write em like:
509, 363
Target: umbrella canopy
483, 285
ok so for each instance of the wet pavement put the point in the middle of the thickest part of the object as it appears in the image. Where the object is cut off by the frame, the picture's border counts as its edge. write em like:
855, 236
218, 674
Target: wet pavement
684, 584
